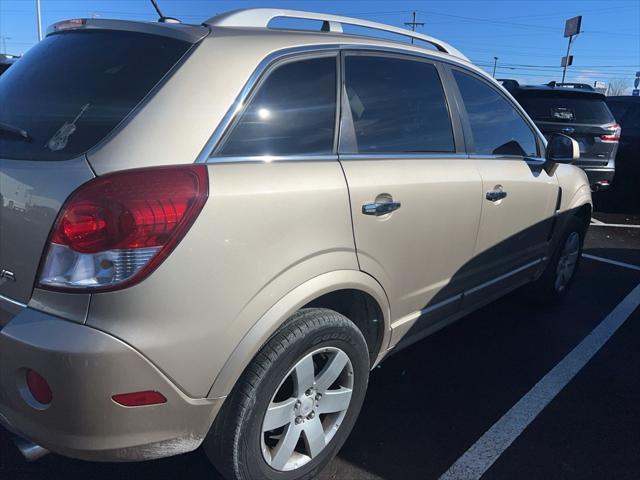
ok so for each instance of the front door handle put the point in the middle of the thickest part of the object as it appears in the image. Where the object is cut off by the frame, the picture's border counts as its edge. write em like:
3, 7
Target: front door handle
496, 194
380, 208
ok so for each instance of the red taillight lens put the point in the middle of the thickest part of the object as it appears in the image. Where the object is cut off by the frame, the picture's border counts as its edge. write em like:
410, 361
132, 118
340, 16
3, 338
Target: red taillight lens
612, 137
139, 399
38, 387
116, 229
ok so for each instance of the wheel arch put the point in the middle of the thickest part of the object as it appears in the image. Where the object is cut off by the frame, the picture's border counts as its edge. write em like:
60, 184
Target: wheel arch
330, 290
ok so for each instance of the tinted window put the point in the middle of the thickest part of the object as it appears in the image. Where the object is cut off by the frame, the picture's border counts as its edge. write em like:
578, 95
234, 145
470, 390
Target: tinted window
397, 105
497, 127
293, 112
570, 109
70, 90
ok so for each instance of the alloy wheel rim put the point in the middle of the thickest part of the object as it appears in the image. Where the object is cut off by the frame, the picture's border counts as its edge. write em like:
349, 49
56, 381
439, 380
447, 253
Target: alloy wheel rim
307, 409
567, 262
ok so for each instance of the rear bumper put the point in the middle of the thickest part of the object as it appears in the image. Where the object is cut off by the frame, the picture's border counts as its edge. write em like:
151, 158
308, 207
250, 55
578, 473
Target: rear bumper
600, 178
85, 368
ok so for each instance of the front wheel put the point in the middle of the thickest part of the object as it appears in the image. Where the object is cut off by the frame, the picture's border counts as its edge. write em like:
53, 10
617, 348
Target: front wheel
558, 276
296, 403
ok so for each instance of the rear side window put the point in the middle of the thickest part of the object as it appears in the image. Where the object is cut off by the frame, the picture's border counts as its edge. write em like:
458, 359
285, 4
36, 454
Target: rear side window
566, 109
70, 90
293, 112
497, 127
397, 105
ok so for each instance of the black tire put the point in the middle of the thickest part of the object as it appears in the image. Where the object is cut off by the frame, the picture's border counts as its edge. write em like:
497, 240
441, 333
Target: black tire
234, 444
544, 290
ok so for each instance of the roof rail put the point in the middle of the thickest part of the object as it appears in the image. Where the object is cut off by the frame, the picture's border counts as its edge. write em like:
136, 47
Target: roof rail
261, 17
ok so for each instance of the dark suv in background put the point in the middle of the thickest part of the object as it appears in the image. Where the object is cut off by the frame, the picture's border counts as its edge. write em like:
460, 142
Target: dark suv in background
5, 62
626, 110
579, 111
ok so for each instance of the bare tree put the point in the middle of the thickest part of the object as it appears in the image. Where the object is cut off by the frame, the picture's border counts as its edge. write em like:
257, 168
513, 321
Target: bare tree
617, 87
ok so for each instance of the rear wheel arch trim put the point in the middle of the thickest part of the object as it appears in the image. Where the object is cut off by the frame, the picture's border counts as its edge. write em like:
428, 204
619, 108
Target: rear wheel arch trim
269, 323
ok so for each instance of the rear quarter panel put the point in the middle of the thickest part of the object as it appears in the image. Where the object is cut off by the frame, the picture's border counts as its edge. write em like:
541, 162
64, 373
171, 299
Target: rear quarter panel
266, 229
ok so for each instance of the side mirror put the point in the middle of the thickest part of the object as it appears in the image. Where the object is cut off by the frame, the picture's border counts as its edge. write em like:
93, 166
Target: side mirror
562, 149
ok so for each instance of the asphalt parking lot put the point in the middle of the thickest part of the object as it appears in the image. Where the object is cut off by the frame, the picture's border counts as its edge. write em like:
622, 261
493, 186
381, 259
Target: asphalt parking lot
427, 405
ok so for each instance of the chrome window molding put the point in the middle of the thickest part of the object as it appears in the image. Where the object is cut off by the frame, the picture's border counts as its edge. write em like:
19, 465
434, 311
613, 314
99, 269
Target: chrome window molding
404, 156
478, 156
273, 158
335, 157
207, 153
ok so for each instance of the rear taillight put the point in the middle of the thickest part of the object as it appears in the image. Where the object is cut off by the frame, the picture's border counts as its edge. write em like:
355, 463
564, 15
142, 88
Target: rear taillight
614, 136
116, 229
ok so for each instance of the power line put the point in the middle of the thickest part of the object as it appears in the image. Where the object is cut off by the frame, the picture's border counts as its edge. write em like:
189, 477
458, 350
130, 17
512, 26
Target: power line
517, 24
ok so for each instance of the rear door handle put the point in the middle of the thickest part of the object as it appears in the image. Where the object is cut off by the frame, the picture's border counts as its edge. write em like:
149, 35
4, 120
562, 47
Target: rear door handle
380, 208
496, 194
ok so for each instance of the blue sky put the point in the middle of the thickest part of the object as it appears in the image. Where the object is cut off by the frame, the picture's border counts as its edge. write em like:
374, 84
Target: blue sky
526, 35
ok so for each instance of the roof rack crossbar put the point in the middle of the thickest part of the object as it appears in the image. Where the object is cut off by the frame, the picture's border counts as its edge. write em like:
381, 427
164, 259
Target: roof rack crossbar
261, 17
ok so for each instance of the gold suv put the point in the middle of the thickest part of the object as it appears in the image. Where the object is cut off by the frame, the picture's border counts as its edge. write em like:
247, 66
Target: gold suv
211, 233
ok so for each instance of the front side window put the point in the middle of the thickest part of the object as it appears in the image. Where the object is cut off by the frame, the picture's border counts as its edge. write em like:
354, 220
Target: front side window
292, 113
397, 105
497, 127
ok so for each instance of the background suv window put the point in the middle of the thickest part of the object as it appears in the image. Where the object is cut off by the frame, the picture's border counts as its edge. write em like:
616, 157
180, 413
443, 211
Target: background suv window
397, 105
293, 112
550, 107
497, 127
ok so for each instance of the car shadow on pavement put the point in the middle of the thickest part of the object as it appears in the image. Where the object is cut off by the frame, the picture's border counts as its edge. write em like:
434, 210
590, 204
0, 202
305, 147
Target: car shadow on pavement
426, 405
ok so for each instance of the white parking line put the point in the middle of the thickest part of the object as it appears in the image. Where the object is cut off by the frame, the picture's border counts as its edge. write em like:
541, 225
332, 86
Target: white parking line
616, 225
595, 221
612, 262
482, 454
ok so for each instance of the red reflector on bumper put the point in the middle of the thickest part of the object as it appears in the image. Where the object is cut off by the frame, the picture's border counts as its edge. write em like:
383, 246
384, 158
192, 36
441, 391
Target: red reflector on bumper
39, 387
139, 399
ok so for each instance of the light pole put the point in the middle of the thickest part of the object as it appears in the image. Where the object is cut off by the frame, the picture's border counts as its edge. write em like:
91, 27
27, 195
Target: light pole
4, 44
571, 29
567, 59
495, 64
39, 20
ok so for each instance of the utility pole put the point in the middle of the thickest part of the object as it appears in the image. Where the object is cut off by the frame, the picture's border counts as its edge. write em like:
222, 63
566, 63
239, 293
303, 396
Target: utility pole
495, 64
39, 19
414, 24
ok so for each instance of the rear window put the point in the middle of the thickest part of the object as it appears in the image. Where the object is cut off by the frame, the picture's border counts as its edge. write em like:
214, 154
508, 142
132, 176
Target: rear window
70, 90
569, 109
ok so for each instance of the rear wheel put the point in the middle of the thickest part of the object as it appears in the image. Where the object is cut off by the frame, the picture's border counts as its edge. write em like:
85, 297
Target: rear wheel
296, 403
